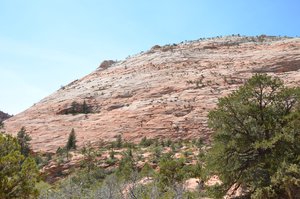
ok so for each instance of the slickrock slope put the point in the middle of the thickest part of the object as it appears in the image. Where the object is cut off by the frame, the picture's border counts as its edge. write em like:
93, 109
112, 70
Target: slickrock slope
165, 92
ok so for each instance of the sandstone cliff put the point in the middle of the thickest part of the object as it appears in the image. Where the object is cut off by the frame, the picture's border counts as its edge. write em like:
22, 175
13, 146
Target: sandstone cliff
165, 92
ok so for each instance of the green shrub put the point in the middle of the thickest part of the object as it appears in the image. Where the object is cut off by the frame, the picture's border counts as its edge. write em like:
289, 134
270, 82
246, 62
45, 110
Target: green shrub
256, 140
146, 142
18, 174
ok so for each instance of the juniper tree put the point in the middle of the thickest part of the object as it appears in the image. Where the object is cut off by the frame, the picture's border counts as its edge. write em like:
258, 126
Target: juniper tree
119, 141
24, 138
18, 174
126, 165
85, 108
71, 144
90, 155
74, 108
171, 171
256, 140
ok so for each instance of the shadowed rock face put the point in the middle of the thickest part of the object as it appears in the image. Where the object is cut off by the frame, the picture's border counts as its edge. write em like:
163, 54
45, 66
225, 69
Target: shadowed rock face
165, 92
4, 116
106, 64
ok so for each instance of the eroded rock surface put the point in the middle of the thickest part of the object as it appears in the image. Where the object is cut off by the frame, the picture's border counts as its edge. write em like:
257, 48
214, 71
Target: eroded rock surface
165, 92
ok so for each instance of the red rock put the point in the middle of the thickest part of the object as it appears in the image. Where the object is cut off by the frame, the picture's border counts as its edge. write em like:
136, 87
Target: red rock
166, 92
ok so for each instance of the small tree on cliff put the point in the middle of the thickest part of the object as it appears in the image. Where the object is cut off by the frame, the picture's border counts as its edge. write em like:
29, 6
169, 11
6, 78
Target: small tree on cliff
85, 108
24, 138
257, 139
18, 174
71, 144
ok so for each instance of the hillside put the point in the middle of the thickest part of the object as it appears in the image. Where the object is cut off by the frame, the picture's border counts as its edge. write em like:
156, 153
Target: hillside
165, 92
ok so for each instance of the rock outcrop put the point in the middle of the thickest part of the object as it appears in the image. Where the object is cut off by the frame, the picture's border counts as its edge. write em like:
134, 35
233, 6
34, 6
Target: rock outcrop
165, 92
4, 116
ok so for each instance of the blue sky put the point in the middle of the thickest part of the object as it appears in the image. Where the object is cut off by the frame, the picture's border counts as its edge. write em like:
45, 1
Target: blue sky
47, 44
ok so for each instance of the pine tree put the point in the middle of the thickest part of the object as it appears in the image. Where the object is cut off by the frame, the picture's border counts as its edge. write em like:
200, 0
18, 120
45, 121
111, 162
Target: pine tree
89, 154
18, 174
85, 108
256, 140
147, 171
71, 144
126, 166
24, 138
171, 171
119, 142
74, 108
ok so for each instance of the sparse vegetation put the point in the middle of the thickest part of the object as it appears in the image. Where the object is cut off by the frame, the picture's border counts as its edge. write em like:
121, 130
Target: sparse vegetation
77, 108
255, 147
127, 176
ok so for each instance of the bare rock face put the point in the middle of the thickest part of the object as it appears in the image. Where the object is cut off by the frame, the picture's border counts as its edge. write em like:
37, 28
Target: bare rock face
165, 92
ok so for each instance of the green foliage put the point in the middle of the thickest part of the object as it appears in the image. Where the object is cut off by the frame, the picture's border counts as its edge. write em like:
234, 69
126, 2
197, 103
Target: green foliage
173, 147
192, 171
71, 144
60, 151
23, 140
18, 174
168, 143
85, 108
81, 184
147, 171
146, 142
119, 141
74, 108
112, 154
199, 143
126, 166
171, 171
42, 160
123, 179
111, 162
129, 145
78, 108
157, 152
162, 143
89, 160
257, 139
129, 153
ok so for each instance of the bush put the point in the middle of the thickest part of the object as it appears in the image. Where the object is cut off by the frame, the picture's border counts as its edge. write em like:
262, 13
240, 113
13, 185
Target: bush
146, 142
126, 166
170, 171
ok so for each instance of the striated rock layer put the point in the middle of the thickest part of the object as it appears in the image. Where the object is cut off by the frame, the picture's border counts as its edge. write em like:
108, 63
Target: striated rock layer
165, 92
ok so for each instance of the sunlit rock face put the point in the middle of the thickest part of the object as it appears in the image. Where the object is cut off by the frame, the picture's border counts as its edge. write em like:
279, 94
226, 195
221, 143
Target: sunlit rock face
165, 92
